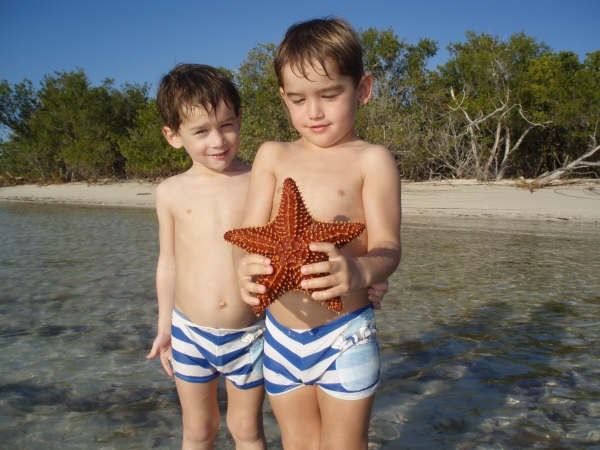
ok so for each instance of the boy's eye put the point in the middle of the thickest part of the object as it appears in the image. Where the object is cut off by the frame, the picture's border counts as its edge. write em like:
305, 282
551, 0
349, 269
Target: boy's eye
329, 96
297, 100
227, 125
200, 132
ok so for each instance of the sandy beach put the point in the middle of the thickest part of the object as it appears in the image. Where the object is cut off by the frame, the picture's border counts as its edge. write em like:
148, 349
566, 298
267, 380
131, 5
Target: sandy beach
467, 198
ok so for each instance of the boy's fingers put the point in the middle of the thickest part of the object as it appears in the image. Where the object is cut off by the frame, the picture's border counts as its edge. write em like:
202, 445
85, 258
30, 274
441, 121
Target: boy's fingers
153, 351
255, 259
380, 286
165, 360
324, 247
376, 303
376, 293
254, 288
314, 268
248, 299
258, 269
327, 294
319, 283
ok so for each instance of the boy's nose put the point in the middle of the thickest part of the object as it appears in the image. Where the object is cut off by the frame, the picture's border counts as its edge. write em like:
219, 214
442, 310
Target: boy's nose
314, 110
216, 139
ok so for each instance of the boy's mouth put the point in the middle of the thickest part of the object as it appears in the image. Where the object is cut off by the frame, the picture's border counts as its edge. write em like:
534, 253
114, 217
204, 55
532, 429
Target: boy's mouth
319, 128
219, 155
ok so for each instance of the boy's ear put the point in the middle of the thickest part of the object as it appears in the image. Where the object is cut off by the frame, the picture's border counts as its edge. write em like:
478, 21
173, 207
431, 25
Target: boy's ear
365, 88
281, 93
172, 137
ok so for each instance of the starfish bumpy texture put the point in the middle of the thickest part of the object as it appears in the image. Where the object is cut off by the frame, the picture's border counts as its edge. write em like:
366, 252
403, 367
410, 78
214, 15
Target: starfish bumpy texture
285, 242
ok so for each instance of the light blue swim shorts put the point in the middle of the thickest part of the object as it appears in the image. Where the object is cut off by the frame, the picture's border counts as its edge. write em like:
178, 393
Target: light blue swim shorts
341, 357
201, 354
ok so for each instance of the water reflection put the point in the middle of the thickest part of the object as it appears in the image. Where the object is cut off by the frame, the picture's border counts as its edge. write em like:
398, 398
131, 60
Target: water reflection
489, 335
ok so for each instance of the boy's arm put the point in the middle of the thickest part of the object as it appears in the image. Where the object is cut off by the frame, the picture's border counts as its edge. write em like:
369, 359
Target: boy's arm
376, 293
165, 281
381, 200
259, 202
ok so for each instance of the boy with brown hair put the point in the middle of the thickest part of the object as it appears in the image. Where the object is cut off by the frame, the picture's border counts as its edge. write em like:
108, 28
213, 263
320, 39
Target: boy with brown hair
204, 329
322, 369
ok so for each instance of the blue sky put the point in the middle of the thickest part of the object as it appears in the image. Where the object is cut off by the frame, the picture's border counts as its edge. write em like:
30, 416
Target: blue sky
138, 41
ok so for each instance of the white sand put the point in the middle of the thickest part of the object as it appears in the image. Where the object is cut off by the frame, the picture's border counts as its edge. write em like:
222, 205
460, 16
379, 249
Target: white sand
579, 201
129, 194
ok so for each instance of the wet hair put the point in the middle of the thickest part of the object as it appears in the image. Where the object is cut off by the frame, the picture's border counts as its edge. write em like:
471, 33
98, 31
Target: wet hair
188, 85
316, 42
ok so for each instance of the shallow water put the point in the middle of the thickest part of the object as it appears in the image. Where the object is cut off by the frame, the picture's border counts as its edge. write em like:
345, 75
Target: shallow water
489, 335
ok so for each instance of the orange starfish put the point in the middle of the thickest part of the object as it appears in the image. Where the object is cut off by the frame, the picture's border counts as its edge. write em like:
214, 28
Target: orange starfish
285, 242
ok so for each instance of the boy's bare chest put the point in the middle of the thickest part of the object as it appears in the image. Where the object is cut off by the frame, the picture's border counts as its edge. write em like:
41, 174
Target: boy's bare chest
207, 217
331, 189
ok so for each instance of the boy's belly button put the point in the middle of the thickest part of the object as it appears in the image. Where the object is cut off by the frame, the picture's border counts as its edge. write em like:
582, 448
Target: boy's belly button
222, 304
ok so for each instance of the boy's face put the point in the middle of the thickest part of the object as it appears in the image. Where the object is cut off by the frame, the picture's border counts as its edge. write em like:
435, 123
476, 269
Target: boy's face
212, 139
323, 108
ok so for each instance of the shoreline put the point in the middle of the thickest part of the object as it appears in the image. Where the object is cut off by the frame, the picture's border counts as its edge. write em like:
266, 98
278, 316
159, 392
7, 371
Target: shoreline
576, 201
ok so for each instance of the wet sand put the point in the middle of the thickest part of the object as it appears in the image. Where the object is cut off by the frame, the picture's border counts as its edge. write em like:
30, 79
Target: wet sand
578, 201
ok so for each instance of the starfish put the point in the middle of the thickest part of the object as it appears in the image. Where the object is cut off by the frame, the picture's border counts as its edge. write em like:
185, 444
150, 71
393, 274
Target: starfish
285, 241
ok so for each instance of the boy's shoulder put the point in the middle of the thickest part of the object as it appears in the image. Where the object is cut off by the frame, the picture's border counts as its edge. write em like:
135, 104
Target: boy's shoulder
269, 152
168, 184
273, 148
169, 189
376, 161
375, 153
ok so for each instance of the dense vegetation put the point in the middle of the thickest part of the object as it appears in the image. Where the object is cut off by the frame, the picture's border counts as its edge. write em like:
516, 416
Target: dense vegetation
496, 108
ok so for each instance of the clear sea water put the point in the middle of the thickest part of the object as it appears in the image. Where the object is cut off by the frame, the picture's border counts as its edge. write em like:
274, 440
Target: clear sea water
490, 335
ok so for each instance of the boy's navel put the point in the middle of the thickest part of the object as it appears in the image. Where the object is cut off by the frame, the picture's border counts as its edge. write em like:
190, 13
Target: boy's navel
188, 211
341, 192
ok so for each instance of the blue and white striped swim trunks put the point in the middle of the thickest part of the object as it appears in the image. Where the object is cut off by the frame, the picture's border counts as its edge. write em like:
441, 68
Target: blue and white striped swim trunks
341, 357
201, 354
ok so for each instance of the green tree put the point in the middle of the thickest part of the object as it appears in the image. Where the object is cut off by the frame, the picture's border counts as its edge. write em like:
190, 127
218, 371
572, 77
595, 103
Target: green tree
68, 130
263, 114
484, 79
146, 151
17, 103
396, 113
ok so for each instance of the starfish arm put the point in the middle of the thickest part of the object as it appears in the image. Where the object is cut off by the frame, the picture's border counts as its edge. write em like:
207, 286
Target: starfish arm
282, 280
338, 233
278, 283
292, 217
261, 240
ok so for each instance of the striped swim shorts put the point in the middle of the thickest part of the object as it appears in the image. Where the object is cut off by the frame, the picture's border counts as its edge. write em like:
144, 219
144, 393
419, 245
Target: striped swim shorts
201, 354
340, 357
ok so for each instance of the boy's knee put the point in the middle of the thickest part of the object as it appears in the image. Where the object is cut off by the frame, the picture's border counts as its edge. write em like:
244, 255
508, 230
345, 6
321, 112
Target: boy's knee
244, 428
200, 433
303, 442
331, 441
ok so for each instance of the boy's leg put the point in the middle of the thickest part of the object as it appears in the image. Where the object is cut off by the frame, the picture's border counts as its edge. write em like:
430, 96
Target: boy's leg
297, 413
344, 423
200, 411
244, 416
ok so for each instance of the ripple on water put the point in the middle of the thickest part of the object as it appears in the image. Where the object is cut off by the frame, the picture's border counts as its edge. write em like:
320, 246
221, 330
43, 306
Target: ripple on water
488, 335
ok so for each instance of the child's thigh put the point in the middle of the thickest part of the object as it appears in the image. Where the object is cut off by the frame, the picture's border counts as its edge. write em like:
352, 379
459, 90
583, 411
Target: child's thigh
345, 423
198, 402
244, 403
297, 414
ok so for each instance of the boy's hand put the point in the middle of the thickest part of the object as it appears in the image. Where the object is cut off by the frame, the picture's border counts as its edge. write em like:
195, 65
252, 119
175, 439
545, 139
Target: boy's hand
343, 274
162, 346
250, 266
376, 293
